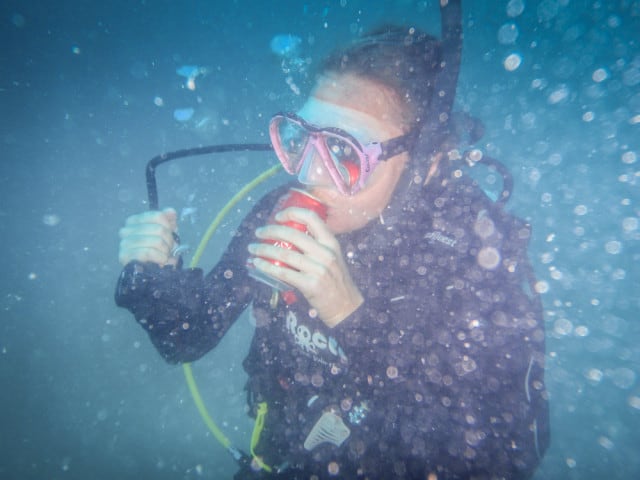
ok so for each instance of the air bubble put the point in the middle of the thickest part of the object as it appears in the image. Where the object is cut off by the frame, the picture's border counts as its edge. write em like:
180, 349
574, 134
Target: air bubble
558, 95
613, 247
629, 158
618, 274
581, 331
541, 286
508, 33
562, 326
512, 62
489, 258
594, 374
515, 8
588, 116
580, 210
599, 75
392, 372
317, 380
51, 220
622, 377
605, 442
484, 227
333, 468
630, 224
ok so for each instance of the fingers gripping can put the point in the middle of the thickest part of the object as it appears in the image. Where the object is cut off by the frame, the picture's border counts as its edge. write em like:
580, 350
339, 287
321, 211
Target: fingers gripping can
293, 198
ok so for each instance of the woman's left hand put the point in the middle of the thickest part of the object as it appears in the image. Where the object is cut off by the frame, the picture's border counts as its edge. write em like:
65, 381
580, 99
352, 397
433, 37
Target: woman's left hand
318, 270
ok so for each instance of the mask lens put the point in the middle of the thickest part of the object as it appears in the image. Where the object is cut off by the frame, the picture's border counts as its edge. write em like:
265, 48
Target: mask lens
292, 139
346, 158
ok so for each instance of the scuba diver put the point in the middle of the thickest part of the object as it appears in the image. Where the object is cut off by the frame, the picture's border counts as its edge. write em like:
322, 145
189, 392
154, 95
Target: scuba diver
396, 336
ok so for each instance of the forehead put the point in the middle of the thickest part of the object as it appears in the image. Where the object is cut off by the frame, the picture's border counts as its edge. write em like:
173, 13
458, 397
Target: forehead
363, 108
361, 94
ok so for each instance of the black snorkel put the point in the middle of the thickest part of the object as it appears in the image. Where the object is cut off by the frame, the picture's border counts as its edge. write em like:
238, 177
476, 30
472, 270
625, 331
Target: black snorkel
437, 128
441, 131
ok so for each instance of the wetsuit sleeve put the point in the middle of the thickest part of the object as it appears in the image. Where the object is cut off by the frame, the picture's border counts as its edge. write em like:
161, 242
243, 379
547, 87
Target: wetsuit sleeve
184, 312
452, 366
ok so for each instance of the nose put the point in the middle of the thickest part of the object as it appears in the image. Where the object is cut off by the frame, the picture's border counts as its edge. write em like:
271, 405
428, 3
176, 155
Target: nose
313, 170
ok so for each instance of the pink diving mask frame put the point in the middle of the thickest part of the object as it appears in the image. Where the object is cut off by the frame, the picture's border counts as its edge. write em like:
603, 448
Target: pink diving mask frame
348, 163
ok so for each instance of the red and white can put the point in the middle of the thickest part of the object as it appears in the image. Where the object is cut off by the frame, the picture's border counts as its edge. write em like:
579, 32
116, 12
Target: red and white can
293, 198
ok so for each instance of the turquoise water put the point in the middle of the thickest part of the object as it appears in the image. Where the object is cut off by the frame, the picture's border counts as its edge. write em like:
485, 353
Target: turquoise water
90, 92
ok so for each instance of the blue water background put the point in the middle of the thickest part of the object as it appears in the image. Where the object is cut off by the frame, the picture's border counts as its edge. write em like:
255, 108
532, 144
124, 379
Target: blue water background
87, 96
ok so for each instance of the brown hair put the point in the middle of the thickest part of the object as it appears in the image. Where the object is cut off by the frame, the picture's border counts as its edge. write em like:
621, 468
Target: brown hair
404, 59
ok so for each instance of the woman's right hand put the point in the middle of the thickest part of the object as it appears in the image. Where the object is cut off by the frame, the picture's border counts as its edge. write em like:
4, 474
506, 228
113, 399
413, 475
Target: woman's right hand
149, 237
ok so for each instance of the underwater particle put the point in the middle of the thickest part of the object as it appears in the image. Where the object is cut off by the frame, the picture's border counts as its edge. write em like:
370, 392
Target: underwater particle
32, 276
392, 372
228, 274
562, 326
630, 224
484, 226
18, 20
512, 62
614, 21
613, 247
599, 75
558, 95
285, 45
75, 50
555, 273
634, 402
190, 73
594, 374
634, 120
580, 210
333, 468
158, 101
547, 10
508, 33
588, 116
605, 442
541, 286
51, 219
581, 331
346, 404
631, 77
571, 463
183, 114
622, 377
317, 380
629, 157
515, 8
489, 258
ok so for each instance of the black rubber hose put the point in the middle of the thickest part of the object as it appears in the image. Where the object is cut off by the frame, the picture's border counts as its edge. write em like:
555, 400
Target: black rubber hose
152, 186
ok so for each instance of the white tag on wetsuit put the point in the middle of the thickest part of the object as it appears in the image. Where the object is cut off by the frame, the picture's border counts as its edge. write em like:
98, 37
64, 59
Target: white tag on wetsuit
328, 429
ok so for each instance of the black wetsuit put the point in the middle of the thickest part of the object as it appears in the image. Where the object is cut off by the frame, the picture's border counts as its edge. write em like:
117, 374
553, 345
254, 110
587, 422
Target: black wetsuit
439, 372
